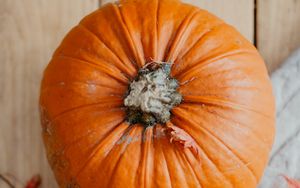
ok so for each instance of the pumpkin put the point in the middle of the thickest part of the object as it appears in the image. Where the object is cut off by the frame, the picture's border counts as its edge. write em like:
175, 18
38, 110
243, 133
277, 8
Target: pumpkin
156, 93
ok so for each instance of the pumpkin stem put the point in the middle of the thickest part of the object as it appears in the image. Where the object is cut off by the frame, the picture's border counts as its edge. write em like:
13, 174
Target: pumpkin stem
152, 95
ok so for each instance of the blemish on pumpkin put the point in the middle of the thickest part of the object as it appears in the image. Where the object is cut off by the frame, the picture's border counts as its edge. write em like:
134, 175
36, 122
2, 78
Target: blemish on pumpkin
130, 139
188, 81
44, 116
58, 162
92, 88
178, 135
72, 184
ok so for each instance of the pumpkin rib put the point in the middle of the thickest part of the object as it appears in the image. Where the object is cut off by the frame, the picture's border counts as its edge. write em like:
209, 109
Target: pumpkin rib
121, 65
265, 146
193, 167
71, 110
166, 162
116, 164
263, 143
189, 165
176, 169
89, 74
140, 62
66, 146
234, 153
219, 73
102, 42
235, 122
207, 61
128, 163
217, 140
211, 162
179, 153
214, 137
204, 65
147, 152
52, 129
214, 164
156, 29
244, 126
98, 146
159, 158
99, 68
181, 31
199, 39
222, 103
118, 156
201, 149
103, 150
59, 84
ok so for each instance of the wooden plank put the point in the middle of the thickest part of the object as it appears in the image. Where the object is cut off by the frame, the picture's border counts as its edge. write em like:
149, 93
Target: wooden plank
29, 32
238, 13
278, 30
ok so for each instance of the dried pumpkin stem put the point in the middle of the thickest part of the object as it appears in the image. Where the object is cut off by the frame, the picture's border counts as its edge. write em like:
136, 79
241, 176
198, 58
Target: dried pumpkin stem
152, 95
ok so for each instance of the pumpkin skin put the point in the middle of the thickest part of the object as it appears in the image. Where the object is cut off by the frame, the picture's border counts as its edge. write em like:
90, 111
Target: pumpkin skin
227, 113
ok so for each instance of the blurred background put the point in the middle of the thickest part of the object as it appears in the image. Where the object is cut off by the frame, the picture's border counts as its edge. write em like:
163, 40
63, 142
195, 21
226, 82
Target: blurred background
30, 30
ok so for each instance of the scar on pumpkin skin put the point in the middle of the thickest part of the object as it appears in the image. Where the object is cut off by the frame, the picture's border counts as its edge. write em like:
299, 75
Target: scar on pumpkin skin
178, 135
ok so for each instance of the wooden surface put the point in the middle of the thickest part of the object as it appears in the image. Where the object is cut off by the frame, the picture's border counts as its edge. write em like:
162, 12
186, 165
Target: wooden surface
30, 30
278, 30
235, 12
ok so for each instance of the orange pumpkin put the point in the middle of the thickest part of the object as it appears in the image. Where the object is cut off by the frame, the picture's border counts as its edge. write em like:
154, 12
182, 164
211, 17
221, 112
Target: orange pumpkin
220, 134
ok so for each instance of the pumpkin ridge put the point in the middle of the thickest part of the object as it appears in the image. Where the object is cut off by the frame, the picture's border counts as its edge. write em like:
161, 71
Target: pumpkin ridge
159, 158
222, 103
156, 29
98, 146
71, 110
181, 31
201, 37
147, 153
177, 171
58, 84
218, 140
105, 70
67, 146
207, 156
235, 122
266, 146
109, 48
184, 160
202, 63
122, 64
139, 62
120, 153
166, 163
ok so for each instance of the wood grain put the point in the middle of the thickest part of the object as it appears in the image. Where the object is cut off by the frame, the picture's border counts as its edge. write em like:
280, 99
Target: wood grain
278, 30
29, 32
238, 13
